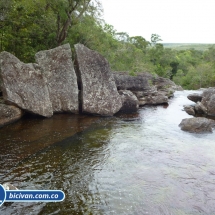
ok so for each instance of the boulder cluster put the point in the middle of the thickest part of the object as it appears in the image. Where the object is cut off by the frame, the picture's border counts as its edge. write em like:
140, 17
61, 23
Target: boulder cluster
54, 84
203, 111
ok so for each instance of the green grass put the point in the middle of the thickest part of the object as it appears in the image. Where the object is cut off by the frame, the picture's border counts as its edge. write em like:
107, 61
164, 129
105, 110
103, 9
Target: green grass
185, 46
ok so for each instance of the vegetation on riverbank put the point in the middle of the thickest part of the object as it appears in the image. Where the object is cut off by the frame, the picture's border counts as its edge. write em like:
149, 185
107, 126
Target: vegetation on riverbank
30, 26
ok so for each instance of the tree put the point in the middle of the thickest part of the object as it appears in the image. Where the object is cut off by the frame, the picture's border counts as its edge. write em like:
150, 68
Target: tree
140, 42
155, 38
31, 26
68, 13
4, 9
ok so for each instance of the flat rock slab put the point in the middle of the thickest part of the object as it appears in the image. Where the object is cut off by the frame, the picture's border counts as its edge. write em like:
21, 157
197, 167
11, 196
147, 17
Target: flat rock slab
9, 114
98, 89
24, 85
57, 67
197, 125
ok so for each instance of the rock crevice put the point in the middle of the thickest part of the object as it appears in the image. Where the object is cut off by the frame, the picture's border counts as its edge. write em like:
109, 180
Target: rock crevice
98, 89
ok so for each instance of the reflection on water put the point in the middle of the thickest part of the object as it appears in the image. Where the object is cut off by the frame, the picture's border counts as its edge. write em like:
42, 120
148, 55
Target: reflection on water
128, 164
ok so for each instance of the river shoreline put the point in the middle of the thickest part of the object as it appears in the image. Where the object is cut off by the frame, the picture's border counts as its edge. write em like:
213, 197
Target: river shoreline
140, 163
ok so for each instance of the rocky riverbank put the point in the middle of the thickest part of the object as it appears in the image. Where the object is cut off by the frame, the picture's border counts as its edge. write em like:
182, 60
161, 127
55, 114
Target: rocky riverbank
54, 85
203, 109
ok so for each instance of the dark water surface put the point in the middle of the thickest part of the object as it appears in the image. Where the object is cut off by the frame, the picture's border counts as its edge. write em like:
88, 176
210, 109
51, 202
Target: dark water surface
128, 164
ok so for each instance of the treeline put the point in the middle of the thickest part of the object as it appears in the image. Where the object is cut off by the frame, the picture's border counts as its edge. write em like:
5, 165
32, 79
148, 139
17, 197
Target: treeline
30, 26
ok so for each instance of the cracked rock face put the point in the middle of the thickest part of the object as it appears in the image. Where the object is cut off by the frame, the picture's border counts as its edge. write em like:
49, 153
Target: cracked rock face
57, 67
24, 85
98, 89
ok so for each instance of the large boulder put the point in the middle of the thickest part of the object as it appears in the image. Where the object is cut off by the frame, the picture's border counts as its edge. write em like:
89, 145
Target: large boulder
195, 97
98, 89
197, 125
208, 101
24, 85
9, 114
130, 102
58, 69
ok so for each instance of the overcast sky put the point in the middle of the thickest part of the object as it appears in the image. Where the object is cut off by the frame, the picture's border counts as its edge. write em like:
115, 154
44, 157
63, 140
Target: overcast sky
178, 21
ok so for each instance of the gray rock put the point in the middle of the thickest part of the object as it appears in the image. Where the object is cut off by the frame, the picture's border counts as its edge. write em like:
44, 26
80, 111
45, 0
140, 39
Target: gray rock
24, 85
9, 114
145, 82
195, 97
200, 108
152, 91
159, 98
166, 85
197, 125
58, 69
98, 89
190, 110
208, 101
124, 81
151, 97
130, 102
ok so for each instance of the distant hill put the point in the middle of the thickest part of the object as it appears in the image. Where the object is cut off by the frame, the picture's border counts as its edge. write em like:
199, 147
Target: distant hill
185, 46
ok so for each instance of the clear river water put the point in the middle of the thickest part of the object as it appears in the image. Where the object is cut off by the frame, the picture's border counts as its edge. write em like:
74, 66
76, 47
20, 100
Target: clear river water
128, 164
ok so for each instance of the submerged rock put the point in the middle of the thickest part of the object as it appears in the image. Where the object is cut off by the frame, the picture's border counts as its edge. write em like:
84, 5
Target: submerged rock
197, 125
58, 69
24, 85
9, 114
98, 89
130, 102
195, 97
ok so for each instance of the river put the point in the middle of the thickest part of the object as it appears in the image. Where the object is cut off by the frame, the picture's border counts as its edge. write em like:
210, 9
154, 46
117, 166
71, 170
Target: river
128, 164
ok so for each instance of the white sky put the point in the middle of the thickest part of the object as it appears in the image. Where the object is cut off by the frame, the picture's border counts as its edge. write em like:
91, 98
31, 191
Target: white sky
177, 21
